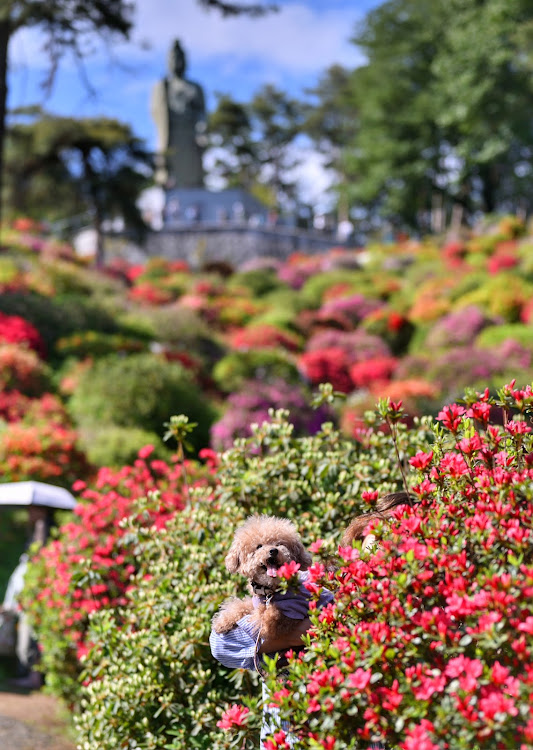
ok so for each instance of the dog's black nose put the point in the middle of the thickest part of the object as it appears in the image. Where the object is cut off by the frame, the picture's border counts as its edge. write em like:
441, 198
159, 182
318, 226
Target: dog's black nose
274, 552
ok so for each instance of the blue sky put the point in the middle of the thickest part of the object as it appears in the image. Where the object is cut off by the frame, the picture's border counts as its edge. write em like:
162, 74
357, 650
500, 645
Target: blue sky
289, 49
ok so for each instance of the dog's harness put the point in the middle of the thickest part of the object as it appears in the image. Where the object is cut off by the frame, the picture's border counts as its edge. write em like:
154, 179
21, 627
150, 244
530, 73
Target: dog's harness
262, 592
293, 604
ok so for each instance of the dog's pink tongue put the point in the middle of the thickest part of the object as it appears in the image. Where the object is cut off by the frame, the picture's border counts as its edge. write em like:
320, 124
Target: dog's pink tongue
272, 572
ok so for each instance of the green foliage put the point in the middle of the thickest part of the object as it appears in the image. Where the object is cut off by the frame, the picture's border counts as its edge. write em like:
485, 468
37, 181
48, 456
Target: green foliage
259, 282
104, 165
254, 136
140, 391
55, 318
95, 344
503, 294
151, 676
114, 446
492, 336
442, 106
235, 368
230, 128
312, 292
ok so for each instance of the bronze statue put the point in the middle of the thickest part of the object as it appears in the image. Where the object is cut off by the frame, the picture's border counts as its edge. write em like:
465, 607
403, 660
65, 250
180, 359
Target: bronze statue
178, 109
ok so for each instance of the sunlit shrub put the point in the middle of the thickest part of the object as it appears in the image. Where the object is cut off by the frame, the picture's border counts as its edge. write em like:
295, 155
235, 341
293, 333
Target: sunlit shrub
115, 447
494, 336
54, 318
316, 285
96, 344
258, 282
140, 390
266, 365
504, 294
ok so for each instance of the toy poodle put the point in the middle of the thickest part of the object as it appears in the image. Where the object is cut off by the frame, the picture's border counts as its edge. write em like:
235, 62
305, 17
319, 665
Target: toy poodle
260, 547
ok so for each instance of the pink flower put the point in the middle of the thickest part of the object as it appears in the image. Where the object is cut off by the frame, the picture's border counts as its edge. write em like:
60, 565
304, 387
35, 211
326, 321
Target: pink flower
479, 411
517, 428
316, 546
421, 460
450, 416
288, 570
497, 703
234, 716
467, 670
360, 678
428, 686
418, 738
146, 451
527, 625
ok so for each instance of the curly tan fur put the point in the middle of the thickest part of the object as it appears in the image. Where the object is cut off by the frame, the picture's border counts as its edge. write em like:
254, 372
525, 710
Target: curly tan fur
261, 544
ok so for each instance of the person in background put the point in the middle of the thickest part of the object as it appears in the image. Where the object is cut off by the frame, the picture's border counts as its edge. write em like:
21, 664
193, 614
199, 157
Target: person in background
27, 649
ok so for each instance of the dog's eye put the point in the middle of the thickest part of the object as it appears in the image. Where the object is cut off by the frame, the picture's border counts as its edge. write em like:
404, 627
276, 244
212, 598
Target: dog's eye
259, 546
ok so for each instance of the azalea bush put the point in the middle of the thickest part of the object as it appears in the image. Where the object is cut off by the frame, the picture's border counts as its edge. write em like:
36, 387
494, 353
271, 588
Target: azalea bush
17, 330
253, 404
149, 677
39, 442
140, 390
232, 370
21, 369
89, 565
428, 643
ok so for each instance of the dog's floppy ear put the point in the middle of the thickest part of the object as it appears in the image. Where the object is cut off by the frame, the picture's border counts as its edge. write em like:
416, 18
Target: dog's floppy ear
233, 560
300, 554
305, 559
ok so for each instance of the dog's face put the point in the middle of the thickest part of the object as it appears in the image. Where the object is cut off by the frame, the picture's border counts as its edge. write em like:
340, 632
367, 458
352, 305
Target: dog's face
261, 546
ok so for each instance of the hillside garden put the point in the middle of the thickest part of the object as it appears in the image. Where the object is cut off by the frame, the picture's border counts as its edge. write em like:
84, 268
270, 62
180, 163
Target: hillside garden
427, 347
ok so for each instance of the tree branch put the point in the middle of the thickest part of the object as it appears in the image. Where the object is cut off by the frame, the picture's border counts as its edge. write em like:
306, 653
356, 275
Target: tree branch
238, 8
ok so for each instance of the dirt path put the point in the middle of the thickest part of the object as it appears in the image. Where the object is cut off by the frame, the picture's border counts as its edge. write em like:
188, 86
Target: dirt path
33, 721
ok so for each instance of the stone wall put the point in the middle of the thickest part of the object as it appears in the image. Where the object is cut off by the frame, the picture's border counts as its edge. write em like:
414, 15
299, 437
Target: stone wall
233, 244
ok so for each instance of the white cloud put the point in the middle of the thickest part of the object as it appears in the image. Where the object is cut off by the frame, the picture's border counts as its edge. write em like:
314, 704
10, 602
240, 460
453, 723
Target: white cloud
313, 178
298, 37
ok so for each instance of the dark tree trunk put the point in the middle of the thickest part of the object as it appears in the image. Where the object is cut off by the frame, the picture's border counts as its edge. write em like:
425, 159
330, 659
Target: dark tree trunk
5, 33
489, 175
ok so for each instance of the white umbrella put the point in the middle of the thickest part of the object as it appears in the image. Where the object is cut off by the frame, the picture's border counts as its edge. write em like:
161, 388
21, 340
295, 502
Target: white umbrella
36, 493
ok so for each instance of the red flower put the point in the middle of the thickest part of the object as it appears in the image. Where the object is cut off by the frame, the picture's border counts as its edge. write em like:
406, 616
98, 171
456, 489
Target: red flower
234, 716
372, 371
327, 366
16, 330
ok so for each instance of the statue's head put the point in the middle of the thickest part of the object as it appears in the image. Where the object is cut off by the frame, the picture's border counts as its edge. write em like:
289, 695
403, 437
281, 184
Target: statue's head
176, 59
